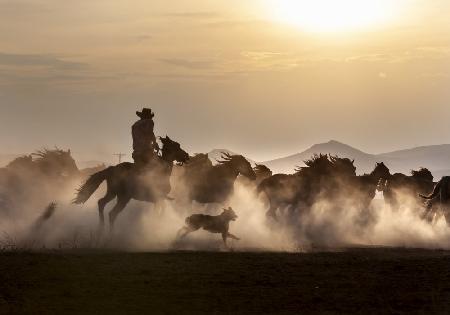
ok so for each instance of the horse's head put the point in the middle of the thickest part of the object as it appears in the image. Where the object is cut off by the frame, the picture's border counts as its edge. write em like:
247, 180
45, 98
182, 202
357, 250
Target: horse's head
240, 163
56, 162
423, 174
381, 171
343, 166
262, 171
172, 151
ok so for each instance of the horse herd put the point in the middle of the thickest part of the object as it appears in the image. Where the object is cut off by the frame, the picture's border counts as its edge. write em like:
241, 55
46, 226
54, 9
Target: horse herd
324, 178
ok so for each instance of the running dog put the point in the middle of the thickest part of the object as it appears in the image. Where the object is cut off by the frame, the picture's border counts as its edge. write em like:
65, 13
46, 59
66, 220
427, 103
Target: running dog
214, 224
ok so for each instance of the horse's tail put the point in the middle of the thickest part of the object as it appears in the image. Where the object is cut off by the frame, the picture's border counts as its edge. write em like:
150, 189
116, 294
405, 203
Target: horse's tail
435, 192
91, 185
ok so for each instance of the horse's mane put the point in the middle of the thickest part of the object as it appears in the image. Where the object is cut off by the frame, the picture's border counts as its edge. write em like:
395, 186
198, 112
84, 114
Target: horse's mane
423, 173
318, 162
45, 154
227, 157
36, 157
325, 164
336, 160
261, 169
20, 162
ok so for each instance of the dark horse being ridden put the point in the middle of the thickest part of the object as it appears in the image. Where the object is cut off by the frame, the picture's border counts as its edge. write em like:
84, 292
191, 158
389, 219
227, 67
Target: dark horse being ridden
125, 181
214, 184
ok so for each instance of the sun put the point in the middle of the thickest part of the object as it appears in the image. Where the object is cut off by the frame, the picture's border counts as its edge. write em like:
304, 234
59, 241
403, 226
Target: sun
334, 16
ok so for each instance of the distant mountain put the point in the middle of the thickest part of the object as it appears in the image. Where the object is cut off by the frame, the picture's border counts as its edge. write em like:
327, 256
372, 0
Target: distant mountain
364, 162
438, 174
434, 157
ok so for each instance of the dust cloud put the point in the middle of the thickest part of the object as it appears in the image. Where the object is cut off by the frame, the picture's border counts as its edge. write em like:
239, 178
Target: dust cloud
143, 227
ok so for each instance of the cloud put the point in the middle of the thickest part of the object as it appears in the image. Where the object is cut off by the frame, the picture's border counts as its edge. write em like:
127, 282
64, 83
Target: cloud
270, 61
369, 58
16, 79
437, 50
436, 75
232, 23
193, 15
26, 60
143, 38
189, 64
44, 69
261, 55
422, 52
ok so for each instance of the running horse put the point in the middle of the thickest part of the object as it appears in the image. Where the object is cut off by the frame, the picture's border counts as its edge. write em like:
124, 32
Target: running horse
215, 184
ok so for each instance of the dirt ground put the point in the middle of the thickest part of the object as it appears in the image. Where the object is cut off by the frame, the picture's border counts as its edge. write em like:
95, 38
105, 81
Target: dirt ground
364, 281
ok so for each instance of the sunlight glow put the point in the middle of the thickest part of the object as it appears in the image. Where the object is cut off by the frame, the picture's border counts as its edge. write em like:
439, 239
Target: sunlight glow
333, 16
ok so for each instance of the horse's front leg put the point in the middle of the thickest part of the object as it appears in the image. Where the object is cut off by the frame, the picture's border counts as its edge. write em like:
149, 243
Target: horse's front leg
121, 203
101, 207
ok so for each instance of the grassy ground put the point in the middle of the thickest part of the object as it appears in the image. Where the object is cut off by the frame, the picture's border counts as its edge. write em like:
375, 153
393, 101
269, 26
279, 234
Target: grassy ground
366, 281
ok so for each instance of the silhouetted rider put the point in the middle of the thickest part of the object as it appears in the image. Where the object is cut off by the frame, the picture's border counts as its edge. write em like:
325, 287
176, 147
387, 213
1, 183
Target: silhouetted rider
145, 147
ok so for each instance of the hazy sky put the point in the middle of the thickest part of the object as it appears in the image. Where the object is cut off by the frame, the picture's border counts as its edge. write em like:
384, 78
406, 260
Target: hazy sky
219, 74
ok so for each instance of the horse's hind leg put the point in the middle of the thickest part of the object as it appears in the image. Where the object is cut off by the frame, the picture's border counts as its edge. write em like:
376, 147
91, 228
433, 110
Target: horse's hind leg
447, 216
183, 232
101, 207
272, 212
120, 205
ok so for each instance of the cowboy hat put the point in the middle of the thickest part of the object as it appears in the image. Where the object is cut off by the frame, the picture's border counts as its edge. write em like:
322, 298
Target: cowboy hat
146, 113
